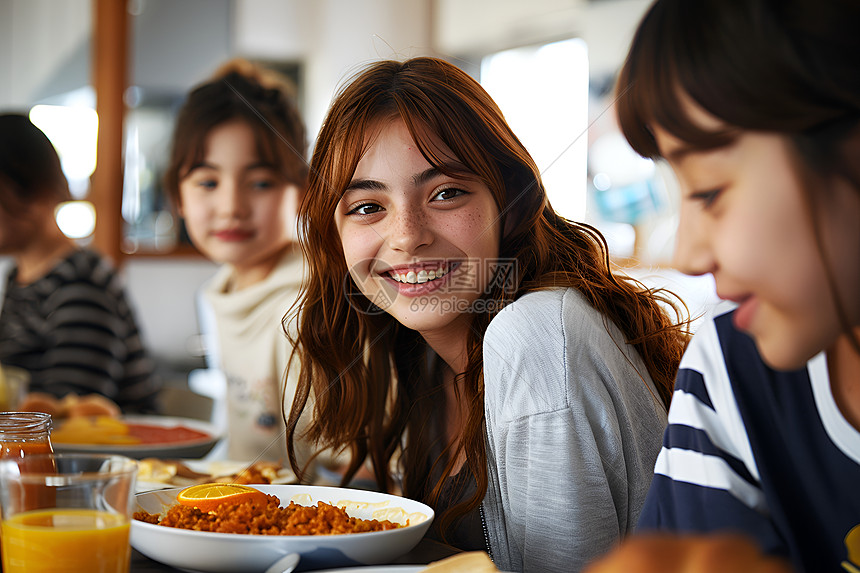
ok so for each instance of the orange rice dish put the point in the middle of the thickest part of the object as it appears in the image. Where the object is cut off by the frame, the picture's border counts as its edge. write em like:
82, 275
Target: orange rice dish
255, 518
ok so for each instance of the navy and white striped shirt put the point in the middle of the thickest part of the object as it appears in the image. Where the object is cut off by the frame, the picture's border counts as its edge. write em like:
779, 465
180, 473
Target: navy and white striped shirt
74, 331
760, 452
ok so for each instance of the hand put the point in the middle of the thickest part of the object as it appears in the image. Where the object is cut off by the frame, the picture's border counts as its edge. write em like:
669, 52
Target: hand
665, 553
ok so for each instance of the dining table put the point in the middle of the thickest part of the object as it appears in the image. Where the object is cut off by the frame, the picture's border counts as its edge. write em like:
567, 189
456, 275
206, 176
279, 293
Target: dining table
209, 455
427, 551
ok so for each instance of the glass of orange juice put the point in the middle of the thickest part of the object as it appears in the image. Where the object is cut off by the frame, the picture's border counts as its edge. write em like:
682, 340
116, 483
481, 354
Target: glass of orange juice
78, 522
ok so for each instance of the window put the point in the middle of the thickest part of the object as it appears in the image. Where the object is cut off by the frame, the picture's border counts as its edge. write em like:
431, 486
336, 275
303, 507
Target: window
543, 92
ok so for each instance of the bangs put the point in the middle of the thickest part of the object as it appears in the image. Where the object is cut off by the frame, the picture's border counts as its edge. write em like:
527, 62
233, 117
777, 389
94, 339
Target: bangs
659, 72
455, 124
470, 149
274, 152
432, 147
434, 139
340, 146
189, 151
276, 145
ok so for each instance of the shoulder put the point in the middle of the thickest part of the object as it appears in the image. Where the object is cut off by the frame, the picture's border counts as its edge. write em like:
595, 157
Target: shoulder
556, 337
717, 345
544, 312
703, 374
558, 321
217, 283
89, 261
84, 277
704, 408
523, 339
87, 266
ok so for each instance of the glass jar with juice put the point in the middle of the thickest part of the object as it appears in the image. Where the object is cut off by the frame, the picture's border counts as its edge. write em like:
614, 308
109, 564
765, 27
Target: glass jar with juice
23, 434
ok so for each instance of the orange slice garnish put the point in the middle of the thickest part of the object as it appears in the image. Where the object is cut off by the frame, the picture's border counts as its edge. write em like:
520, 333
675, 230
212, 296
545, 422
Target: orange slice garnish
208, 496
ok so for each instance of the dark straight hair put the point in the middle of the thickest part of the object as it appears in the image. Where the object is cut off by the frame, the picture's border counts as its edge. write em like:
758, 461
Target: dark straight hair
789, 67
30, 168
784, 66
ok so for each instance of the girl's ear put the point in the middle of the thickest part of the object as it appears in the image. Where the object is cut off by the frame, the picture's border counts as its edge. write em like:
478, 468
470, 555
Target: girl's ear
508, 225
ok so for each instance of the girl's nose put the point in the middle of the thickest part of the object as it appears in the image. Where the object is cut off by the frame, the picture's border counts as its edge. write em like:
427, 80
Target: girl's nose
693, 254
233, 202
409, 230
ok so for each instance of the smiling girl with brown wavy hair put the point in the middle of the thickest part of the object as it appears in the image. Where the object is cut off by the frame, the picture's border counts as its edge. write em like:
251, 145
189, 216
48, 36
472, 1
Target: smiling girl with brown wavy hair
465, 341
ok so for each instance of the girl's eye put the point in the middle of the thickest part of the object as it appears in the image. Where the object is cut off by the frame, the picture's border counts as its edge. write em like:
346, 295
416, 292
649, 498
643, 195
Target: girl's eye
448, 193
707, 198
365, 209
263, 185
207, 184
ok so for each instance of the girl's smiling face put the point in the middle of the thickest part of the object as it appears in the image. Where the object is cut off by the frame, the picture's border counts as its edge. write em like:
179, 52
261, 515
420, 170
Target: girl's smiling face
417, 242
238, 209
745, 218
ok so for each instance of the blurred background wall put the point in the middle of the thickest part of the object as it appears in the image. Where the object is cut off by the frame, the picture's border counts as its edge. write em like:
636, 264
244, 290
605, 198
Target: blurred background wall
45, 58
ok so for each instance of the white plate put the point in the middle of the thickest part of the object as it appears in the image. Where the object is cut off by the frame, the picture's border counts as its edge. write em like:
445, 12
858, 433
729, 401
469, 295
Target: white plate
228, 552
214, 469
189, 449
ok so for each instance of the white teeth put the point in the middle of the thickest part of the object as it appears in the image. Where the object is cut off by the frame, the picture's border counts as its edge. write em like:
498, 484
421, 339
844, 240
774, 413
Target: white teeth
422, 276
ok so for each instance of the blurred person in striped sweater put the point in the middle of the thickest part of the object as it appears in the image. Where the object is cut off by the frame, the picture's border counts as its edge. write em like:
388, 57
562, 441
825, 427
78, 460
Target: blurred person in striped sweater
65, 316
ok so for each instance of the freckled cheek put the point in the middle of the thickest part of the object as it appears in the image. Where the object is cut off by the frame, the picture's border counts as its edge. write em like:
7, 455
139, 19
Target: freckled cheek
479, 230
358, 244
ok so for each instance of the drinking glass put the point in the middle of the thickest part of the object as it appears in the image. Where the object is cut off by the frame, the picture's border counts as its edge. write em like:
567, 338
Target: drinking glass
75, 518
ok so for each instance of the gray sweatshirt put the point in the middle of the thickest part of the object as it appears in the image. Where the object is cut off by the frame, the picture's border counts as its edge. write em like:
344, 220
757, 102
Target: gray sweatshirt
574, 425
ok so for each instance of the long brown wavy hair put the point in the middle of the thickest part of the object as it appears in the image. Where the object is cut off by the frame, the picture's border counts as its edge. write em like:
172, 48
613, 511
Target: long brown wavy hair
788, 67
370, 378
